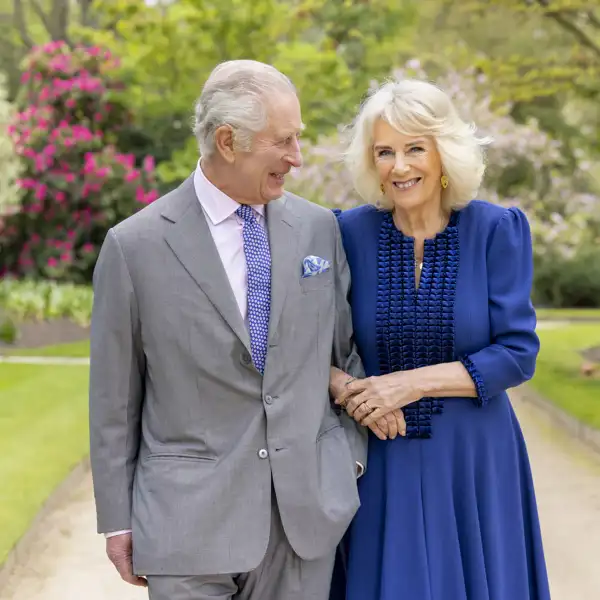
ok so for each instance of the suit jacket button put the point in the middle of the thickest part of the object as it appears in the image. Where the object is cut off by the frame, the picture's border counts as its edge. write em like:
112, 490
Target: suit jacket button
263, 453
269, 399
246, 359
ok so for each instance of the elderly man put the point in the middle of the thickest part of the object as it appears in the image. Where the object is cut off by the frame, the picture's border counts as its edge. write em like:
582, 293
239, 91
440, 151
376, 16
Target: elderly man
220, 468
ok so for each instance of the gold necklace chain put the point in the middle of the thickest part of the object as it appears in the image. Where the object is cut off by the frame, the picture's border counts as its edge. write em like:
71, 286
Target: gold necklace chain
419, 263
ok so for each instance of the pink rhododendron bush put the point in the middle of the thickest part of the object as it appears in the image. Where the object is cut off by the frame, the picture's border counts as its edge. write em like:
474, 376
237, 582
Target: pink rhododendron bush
75, 182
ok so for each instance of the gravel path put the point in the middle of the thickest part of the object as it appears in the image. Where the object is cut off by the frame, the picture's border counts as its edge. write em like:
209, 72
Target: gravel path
67, 560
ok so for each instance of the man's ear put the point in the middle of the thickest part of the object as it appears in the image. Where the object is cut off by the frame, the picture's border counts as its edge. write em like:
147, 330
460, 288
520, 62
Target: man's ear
225, 143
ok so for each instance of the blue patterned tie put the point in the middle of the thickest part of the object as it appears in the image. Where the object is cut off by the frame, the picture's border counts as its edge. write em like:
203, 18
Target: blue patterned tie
258, 262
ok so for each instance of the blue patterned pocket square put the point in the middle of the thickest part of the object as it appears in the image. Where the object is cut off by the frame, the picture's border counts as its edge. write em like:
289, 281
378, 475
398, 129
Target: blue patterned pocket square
313, 265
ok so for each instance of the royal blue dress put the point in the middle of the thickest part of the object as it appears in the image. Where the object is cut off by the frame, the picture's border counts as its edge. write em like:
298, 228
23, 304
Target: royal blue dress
449, 512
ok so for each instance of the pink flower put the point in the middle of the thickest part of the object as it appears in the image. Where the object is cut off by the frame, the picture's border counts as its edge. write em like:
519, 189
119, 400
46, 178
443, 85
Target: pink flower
71, 234
59, 196
70, 103
69, 177
149, 164
65, 257
25, 77
151, 196
132, 175
40, 192
88, 248
140, 195
27, 184
52, 262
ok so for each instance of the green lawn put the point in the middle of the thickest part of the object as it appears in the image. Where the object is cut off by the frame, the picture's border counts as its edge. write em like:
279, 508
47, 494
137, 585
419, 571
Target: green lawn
72, 350
43, 436
557, 314
557, 375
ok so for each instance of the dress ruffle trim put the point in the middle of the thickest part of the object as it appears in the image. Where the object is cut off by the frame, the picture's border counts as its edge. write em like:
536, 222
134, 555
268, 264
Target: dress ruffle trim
482, 395
415, 327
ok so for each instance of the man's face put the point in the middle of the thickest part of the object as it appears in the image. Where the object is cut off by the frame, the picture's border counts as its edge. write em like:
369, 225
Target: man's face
260, 173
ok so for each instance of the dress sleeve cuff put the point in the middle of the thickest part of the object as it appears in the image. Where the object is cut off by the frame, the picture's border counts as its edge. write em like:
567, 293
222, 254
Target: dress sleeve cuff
482, 395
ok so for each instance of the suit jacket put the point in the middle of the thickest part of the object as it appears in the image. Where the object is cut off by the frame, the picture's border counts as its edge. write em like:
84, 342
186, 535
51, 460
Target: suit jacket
187, 437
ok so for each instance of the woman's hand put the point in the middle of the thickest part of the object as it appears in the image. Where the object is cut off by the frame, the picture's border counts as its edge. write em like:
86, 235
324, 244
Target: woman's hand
370, 399
388, 426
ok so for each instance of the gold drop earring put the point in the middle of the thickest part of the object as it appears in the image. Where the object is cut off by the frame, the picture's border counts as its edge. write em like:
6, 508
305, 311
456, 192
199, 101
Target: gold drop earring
444, 181
382, 189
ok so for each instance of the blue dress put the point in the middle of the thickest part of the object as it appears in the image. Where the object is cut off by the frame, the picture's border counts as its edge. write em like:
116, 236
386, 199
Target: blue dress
449, 512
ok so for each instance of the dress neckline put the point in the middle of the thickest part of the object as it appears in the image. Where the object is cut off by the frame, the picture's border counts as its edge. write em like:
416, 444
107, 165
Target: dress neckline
452, 222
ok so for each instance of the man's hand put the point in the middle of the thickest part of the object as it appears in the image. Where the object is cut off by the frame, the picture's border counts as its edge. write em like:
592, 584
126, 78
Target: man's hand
119, 549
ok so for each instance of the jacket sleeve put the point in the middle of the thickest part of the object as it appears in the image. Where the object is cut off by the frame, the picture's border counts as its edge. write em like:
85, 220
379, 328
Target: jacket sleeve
116, 387
345, 355
510, 358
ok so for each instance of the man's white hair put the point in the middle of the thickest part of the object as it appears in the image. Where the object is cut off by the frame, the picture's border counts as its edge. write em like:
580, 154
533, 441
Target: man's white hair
417, 108
237, 93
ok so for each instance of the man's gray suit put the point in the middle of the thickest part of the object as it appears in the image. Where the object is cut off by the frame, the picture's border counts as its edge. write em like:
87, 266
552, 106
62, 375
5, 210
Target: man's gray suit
188, 440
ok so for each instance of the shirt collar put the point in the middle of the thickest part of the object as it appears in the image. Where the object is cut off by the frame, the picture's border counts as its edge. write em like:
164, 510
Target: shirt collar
217, 205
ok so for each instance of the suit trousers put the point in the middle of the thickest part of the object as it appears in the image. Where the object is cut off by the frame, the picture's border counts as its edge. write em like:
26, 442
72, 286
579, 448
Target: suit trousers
281, 575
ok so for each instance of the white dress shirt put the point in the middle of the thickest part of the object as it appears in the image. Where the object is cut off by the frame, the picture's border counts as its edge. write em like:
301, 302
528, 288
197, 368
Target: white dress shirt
226, 229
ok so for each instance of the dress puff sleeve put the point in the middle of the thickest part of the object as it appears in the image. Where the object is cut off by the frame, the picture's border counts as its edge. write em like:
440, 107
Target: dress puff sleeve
510, 358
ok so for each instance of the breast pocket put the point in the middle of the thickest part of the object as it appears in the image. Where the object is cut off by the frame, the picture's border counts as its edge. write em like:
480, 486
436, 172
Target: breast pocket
322, 281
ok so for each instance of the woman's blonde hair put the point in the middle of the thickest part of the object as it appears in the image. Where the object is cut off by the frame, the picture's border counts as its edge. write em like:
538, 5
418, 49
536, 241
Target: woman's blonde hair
416, 108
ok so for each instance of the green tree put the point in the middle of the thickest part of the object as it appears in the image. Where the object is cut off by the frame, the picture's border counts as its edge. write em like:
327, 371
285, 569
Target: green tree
330, 48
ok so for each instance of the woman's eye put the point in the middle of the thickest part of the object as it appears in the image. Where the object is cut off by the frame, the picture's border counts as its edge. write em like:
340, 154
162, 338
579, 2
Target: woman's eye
416, 149
381, 153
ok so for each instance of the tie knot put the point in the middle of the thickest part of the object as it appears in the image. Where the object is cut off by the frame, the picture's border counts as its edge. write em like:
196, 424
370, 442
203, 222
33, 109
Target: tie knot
246, 212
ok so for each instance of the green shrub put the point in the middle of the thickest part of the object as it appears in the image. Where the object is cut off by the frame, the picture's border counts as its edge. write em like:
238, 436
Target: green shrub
9, 331
561, 282
46, 300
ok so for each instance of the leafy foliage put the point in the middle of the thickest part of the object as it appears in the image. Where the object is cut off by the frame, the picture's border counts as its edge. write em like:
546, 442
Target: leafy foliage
46, 300
330, 49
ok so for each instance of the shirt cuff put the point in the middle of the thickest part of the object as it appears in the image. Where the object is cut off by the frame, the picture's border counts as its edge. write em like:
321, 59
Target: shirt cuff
114, 533
360, 469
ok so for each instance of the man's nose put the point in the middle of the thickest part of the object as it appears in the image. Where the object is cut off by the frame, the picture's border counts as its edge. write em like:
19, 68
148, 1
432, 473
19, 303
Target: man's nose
295, 156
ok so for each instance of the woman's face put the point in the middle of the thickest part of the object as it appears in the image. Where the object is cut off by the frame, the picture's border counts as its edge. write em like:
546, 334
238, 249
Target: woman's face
410, 168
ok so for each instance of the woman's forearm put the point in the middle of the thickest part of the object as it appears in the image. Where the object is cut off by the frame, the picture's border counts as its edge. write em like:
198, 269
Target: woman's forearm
444, 380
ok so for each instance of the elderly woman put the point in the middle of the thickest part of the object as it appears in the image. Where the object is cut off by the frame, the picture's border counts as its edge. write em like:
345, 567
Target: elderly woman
444, 324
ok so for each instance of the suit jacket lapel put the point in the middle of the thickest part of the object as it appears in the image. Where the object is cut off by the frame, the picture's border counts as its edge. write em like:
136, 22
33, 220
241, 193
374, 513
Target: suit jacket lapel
191, 241
283, 228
